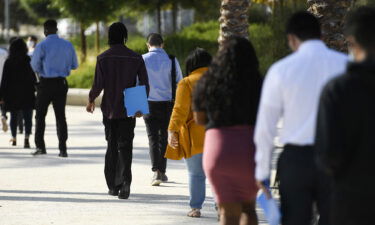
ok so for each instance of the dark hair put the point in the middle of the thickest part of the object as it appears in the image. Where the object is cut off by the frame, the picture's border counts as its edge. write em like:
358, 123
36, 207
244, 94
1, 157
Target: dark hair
358, 24
18, 48
304, 25
155, 39
117, 34
50, 24
12, 39
229, 92
197, 59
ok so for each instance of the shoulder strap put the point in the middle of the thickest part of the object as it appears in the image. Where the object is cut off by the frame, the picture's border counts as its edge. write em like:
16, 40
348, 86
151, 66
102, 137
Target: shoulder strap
174, 77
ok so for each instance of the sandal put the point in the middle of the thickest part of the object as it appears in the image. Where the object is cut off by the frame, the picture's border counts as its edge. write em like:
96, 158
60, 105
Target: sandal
195, 213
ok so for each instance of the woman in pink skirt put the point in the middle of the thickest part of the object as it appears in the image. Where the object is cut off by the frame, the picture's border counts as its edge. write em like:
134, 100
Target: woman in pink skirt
226, 102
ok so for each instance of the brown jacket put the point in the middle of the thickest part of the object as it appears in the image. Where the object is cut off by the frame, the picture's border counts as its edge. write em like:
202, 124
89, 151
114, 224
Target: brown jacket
190, 134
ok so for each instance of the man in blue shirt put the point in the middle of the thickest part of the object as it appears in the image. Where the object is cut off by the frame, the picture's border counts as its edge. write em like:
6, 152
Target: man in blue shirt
53, 59
163, 73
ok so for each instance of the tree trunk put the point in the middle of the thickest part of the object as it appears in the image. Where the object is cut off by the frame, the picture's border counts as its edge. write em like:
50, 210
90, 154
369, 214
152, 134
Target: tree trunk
234, 19
332, 15
97, 37
83, 43
174, 16
158, 15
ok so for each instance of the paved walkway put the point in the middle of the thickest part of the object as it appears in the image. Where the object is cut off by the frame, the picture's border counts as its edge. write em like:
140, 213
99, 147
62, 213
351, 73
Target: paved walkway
51, 190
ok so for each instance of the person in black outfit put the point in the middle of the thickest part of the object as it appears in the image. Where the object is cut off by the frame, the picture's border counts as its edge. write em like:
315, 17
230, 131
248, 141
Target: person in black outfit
346, 127
117, 68
17, 89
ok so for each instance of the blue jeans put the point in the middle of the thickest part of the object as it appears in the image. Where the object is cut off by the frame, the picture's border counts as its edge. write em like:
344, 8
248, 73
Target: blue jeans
197, 181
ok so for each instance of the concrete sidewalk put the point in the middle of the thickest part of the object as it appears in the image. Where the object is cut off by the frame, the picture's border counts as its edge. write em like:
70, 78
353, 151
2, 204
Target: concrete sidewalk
52, 190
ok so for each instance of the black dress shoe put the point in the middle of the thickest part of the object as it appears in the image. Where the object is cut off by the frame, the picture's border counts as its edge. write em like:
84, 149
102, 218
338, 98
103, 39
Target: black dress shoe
63, 154
113, 192
27, 143
39, 152
124, 192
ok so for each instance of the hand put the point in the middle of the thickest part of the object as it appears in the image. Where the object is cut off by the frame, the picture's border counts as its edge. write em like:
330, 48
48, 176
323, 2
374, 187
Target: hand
138, 114
264, 189
90, 108
173, 139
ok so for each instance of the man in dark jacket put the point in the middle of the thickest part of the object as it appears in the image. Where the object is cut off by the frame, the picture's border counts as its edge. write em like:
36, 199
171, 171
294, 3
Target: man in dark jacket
116, 69
346, 127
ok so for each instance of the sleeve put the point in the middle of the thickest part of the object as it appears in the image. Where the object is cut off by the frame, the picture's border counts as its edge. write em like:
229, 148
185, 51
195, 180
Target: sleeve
37, 59
74, 59
182, 107
98, 84
178, 71
143, 76
4, 80
329, 139
269, 113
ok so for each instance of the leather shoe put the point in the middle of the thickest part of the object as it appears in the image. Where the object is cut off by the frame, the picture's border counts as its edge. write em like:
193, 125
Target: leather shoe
124, 192
63, 154
39, 152
113, 192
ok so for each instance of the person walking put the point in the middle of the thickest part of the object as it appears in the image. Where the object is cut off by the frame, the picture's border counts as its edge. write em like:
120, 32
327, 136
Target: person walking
345, 128
117, 68
17, 90
53, 59
32, 41
164, 73
185, 137
291, 93
3, 57
226, 102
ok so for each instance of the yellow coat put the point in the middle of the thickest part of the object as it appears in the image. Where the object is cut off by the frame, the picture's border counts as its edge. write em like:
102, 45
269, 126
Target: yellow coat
190, 134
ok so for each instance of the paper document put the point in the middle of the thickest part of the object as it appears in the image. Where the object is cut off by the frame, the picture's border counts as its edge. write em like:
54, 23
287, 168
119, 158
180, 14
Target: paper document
135, 99
270, 208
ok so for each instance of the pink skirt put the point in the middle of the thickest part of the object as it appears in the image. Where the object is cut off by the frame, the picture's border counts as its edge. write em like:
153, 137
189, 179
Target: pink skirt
229, 164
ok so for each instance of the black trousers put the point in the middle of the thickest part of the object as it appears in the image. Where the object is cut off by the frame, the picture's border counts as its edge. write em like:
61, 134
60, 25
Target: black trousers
119, 134
157, 129
301, 186
53, 90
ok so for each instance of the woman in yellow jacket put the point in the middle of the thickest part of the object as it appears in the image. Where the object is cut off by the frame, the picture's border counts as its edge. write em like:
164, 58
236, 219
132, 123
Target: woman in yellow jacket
185, 136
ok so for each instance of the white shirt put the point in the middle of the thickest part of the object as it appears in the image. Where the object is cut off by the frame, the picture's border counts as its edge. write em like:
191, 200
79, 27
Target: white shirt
291, 93
3, 57
159, 68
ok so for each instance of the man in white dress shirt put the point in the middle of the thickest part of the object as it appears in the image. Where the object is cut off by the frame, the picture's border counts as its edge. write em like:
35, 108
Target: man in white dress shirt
291, 93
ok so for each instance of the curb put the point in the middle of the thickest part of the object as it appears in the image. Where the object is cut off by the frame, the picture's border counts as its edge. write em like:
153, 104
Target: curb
79, 97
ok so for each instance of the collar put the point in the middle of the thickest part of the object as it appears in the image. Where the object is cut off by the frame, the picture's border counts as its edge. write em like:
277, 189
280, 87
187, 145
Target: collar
312, 45
199, 71
53, 36
154, 49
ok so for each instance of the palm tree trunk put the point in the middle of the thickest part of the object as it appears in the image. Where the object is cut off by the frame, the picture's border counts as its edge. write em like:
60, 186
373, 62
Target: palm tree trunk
332, 15
174, 16
234, 19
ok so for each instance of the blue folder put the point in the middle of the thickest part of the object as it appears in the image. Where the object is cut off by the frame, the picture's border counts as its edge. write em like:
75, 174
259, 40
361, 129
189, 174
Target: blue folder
135, 100
270, 208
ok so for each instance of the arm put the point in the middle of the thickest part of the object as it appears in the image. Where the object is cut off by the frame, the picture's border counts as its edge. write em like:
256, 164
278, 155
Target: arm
270, 111
143, 76
37, 59
329, 140
181, 108
98, 84
178, 71
4, 80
